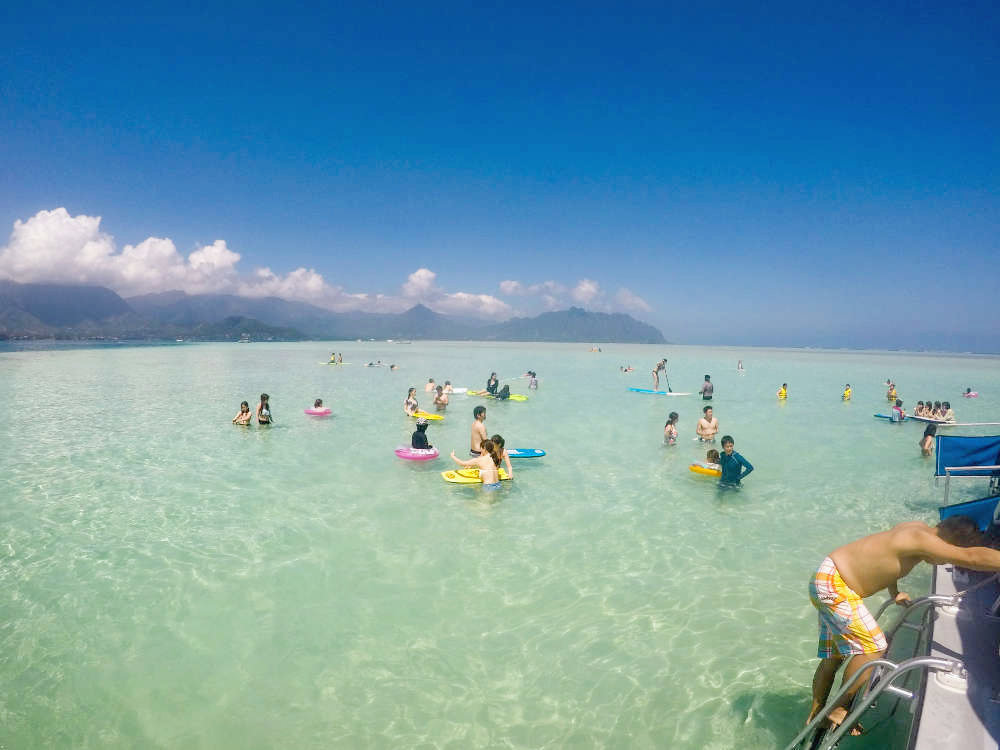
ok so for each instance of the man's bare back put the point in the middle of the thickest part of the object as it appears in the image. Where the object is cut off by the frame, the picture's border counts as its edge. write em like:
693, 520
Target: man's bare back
876, 562
477, 436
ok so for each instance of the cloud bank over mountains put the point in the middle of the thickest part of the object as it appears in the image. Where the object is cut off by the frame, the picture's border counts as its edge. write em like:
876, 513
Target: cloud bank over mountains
53, 246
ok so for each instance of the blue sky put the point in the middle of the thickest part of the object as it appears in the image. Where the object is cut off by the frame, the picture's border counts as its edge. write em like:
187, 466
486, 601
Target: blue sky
779, 175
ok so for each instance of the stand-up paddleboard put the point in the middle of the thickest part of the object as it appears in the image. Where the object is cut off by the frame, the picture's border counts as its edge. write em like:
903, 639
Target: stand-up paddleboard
525, 452
658, 393
426, 415
336, 364
468, 476
886, 416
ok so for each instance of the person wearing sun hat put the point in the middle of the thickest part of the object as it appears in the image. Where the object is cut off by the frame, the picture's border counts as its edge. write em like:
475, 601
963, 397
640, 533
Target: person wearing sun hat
418, 440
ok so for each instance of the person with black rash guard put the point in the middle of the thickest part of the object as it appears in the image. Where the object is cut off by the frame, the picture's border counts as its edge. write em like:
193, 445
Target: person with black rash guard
732, 464
492, 384
418, 440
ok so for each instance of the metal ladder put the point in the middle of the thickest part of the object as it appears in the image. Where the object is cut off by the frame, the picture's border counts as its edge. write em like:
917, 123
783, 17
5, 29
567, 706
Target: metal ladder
883, 674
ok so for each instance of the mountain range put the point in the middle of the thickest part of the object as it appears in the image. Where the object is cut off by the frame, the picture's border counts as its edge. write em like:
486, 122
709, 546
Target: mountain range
87, 312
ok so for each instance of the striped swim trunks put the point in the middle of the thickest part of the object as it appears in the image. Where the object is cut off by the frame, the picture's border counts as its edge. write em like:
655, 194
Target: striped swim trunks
846, 627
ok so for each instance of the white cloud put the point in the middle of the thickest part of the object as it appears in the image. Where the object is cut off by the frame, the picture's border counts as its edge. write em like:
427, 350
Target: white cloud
420, 284
54, 246
586, 291
627, 299
512, 287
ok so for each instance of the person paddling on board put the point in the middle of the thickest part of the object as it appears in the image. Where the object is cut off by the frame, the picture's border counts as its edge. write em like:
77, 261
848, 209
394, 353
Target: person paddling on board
861, 569
478, 432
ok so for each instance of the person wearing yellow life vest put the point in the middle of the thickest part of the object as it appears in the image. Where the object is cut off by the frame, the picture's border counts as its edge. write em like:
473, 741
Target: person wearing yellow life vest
891, 395
783, 391
847, 392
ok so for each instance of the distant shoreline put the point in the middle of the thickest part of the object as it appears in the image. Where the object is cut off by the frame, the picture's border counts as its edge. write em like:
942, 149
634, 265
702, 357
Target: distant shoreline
53, 344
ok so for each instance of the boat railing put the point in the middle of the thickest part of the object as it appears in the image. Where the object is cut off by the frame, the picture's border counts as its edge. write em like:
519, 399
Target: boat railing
989, 471
883, 673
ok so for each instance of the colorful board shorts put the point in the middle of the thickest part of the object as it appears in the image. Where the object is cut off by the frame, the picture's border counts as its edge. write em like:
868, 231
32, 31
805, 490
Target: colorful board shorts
846, 627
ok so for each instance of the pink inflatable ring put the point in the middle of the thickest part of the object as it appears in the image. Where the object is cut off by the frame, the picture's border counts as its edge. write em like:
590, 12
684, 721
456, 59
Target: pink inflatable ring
416, 454
324, 412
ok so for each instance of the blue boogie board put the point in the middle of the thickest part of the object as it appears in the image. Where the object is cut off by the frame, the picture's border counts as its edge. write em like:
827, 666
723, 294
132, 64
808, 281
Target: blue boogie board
525, 452
886, 416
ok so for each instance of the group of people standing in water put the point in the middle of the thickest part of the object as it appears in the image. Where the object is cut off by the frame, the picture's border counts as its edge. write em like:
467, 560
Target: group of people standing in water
263, 412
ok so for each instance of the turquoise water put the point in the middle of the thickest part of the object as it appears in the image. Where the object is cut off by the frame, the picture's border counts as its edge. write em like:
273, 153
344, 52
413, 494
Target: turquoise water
170, 580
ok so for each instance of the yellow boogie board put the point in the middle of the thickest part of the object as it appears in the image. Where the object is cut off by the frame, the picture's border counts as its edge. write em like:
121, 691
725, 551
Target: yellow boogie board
703, 468
468, 476
425, 415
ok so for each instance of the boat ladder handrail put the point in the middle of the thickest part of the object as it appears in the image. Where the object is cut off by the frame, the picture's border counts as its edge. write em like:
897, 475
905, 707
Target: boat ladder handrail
885, 681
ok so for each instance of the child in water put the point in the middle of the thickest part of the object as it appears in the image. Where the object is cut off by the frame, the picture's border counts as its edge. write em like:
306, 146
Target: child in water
927, 441
488, 464
418, 440
670, 429
264, 410
318, 403
783, 391
244, 416
712, 459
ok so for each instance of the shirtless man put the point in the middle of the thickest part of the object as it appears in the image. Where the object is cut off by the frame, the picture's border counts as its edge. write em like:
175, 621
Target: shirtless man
865, 567
441, 399
707, 426
430, 387
478, 432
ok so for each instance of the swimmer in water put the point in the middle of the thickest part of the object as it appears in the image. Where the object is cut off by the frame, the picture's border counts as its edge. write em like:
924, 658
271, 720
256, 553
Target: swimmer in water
318, 403
734, 467
430, 387
478, 432
447, 387
498, 445
927, 441
847, 392
670, 429
783, 392
418, 440
264, 410
244, 416
707, 426
440, 399
410, 406
488, 464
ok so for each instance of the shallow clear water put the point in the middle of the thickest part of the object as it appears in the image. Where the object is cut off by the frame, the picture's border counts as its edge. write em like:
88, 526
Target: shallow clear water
171, 580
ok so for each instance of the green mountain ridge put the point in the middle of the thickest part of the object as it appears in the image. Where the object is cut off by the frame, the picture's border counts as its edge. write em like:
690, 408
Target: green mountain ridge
92, 312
